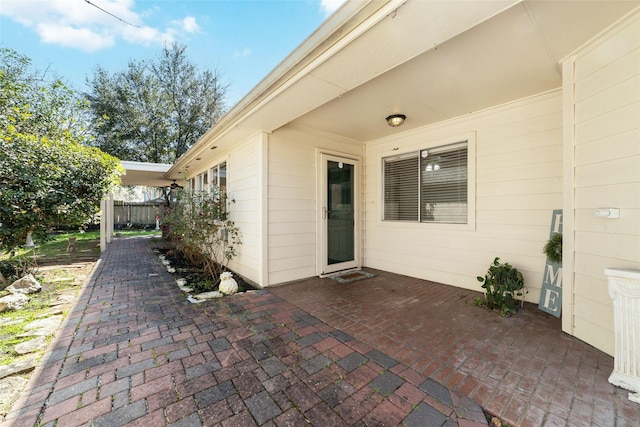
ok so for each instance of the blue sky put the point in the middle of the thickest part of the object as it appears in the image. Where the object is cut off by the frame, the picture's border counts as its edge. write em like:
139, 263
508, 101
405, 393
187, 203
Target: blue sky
242, 39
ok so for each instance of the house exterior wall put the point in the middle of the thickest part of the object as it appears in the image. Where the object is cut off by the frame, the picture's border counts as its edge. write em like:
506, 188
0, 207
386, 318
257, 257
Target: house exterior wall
292, 188
517, 182
244, 186
602, 94
245, 165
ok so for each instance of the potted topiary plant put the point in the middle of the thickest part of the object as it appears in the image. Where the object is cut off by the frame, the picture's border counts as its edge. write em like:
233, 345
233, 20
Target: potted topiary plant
503, 286
553, 248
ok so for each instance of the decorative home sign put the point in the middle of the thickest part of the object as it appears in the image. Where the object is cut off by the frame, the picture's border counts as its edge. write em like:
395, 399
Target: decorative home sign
551, 295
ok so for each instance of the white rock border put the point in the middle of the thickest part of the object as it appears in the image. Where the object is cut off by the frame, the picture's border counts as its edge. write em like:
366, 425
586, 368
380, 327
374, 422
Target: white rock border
182, 284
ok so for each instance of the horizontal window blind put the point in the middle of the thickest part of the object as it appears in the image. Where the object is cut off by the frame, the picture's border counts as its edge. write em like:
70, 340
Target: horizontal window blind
443, 189
401, 188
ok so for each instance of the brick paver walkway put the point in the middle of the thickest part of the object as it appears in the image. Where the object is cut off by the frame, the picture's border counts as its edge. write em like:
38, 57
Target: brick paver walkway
133, 351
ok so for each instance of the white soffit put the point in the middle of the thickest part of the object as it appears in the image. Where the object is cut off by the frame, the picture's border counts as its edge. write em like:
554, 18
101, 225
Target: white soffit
567, 25
148, 174
355, 63
415, 27
510, 56
431, 60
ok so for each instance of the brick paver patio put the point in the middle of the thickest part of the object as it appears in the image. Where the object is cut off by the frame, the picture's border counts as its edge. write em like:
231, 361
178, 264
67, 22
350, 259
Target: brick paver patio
523, 369
134, 351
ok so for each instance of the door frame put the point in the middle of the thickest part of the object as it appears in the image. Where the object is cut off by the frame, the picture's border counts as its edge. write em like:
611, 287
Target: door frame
322, 266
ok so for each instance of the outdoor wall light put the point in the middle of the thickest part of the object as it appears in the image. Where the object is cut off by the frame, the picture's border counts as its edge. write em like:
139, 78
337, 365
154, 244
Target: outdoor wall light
396, 120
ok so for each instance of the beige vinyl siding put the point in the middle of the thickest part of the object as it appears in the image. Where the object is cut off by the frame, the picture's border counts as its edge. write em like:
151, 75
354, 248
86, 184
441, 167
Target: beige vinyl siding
606, 171
518, 183
244, 169
292, 201
243, 183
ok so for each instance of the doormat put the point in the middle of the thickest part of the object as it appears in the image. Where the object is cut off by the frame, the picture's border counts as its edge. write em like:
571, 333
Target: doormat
350, 276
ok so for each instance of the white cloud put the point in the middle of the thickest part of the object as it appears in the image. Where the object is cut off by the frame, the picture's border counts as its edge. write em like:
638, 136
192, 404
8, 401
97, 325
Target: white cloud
242, 54
190, 25
78, 24
330, 6
147, 35
79, 38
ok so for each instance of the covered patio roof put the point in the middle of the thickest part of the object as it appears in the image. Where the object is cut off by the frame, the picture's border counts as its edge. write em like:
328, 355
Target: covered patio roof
429, 60
148, 174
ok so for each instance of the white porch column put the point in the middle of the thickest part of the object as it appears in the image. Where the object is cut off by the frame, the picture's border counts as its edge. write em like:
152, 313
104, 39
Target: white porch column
103, 225
624, 288
109, 230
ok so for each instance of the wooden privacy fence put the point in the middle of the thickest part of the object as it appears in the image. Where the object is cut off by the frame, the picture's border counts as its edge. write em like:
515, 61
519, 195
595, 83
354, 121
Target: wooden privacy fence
135, 214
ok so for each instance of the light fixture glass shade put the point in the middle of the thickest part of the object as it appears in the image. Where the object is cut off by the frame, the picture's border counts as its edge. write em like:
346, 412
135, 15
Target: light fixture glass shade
396, 120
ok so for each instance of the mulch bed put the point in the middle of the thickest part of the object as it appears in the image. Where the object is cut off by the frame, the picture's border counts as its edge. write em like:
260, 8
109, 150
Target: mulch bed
195, 276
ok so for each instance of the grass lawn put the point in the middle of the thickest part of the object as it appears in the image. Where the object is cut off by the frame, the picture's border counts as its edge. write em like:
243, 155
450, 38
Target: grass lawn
55, 250
59, 273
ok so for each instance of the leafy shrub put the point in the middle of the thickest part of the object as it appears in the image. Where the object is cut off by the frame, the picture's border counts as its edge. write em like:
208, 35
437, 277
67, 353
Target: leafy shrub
200, 228
503, 284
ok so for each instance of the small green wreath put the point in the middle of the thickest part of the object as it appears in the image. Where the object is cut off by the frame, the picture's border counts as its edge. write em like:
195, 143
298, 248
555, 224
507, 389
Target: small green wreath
553, 248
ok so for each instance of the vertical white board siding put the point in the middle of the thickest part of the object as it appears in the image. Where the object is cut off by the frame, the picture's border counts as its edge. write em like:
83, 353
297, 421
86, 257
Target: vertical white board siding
292, 199
605, 88
518, 183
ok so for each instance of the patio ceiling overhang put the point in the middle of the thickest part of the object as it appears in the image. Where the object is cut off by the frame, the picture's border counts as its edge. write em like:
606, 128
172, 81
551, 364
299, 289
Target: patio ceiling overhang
147, 174
429, 60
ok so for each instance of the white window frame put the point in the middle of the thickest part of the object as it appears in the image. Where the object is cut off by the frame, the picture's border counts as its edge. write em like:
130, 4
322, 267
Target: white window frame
214, 175
202, 181
417, 147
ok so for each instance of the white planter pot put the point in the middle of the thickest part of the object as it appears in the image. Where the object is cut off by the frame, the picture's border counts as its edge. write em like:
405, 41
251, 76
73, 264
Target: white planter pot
624, 289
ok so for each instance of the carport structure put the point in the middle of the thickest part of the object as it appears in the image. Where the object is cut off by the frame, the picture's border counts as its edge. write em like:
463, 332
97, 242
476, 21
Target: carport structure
136, 173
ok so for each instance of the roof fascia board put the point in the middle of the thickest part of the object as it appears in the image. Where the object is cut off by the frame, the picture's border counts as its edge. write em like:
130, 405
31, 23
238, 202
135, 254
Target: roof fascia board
327, 54
145, 166
346, 24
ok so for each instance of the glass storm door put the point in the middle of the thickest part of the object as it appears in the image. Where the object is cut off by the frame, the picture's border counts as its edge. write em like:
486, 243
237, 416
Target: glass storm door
339, 214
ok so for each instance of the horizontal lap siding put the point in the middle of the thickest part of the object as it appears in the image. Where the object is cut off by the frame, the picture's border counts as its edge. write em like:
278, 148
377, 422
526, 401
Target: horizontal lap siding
244, 182
607, 174
292, 200
518, 183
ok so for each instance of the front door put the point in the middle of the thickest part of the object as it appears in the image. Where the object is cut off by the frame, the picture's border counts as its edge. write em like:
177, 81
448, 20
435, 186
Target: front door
339, 213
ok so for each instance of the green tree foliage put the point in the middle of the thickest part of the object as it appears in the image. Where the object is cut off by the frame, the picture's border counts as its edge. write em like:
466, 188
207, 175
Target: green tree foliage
154, 110
38, 103
47, 175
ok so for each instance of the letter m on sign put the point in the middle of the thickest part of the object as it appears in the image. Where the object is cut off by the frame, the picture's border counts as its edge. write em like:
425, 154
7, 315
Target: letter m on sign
553, 275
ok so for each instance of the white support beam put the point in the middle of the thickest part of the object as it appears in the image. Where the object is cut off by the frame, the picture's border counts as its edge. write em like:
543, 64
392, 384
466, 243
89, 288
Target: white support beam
103, 225
109, 209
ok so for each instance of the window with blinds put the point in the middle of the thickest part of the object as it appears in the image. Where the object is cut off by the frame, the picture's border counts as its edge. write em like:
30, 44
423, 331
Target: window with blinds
427, 186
